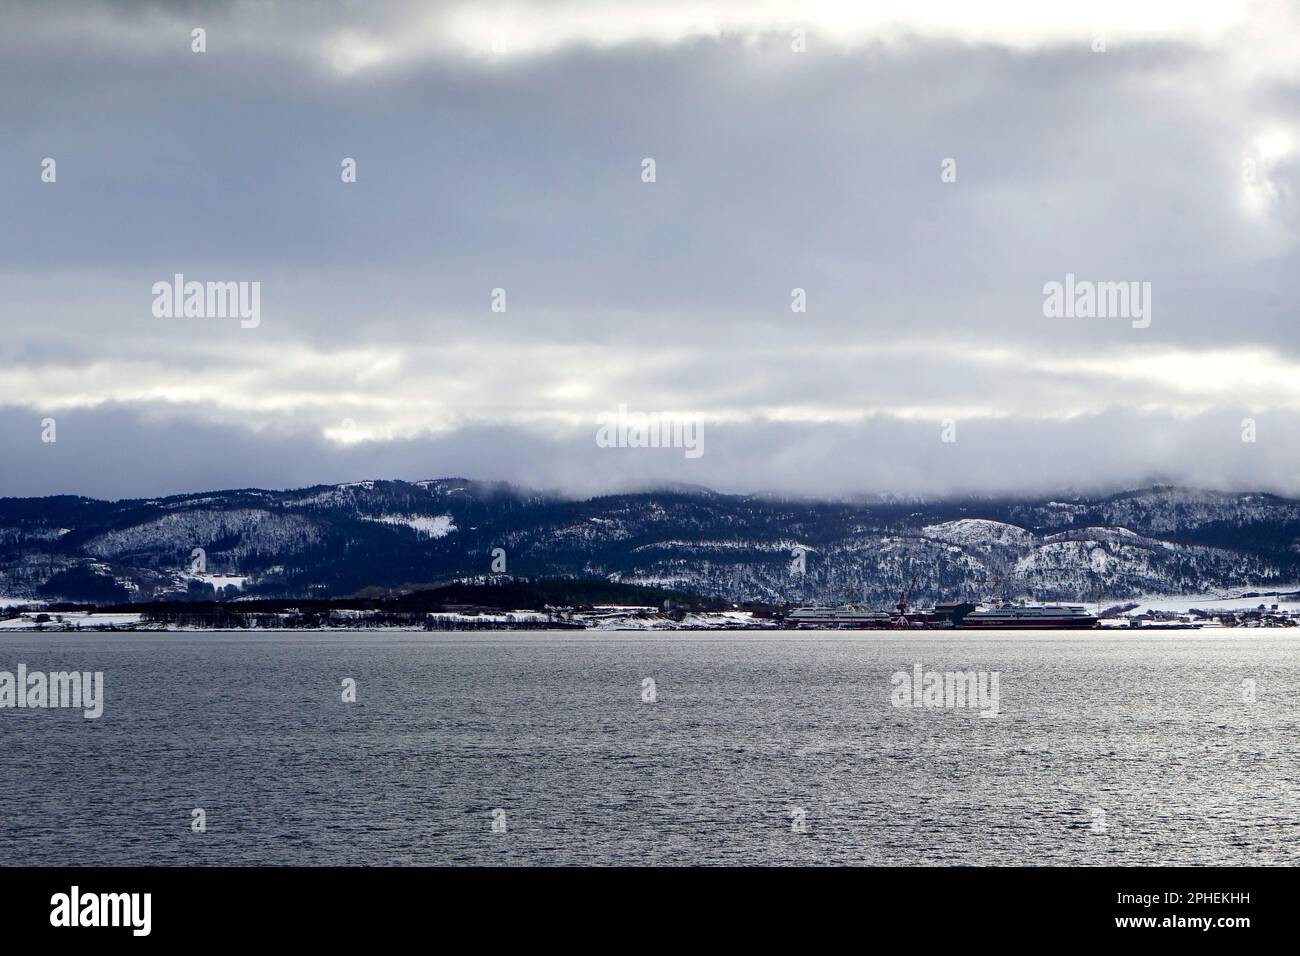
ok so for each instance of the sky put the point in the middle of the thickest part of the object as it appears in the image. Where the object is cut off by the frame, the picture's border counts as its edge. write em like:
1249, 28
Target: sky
501, 277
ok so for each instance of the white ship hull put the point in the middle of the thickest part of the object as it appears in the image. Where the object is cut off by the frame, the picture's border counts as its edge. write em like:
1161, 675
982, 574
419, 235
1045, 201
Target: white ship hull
1031, 616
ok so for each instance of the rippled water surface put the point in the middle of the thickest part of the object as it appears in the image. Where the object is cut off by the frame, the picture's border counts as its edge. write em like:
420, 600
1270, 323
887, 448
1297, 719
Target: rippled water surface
1108, 749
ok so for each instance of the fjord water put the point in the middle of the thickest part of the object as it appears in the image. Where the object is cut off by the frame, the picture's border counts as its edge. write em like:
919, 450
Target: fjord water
1151, 730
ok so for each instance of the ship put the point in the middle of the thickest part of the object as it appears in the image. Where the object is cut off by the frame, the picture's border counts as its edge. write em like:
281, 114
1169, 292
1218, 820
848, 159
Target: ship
1006, 616
842, 616
858, 616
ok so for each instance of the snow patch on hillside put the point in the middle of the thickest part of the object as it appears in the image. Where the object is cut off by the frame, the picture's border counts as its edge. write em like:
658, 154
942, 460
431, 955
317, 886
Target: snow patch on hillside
979, 531
220, 581
783, 545
434, 526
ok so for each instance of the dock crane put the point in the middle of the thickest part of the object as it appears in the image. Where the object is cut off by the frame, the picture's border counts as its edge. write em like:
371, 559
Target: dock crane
901, 620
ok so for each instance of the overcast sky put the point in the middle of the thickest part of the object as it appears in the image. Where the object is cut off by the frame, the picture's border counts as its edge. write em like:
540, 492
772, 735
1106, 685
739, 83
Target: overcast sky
501, 146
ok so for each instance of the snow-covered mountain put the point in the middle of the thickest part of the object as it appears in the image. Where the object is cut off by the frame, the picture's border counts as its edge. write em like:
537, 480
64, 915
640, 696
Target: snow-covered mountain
340, 539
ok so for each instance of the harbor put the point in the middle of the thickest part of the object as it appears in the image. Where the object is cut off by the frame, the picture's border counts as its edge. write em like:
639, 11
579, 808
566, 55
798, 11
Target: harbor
997, 614
1163, 614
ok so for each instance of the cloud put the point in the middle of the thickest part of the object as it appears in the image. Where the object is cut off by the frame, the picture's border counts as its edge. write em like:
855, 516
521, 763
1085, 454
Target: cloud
1171, 158
134, 452
352, 39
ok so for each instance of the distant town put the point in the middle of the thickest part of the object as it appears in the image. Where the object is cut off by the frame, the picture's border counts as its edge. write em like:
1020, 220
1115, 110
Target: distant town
605, 606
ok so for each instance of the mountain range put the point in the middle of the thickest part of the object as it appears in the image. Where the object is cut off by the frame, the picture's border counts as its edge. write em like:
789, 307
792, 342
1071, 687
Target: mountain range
371, 536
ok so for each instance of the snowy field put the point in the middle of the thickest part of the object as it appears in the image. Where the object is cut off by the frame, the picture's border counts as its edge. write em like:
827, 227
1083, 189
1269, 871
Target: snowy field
1289, 601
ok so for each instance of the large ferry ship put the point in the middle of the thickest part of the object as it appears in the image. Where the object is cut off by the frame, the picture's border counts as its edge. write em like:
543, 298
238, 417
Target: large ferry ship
1024, 615
844, 616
